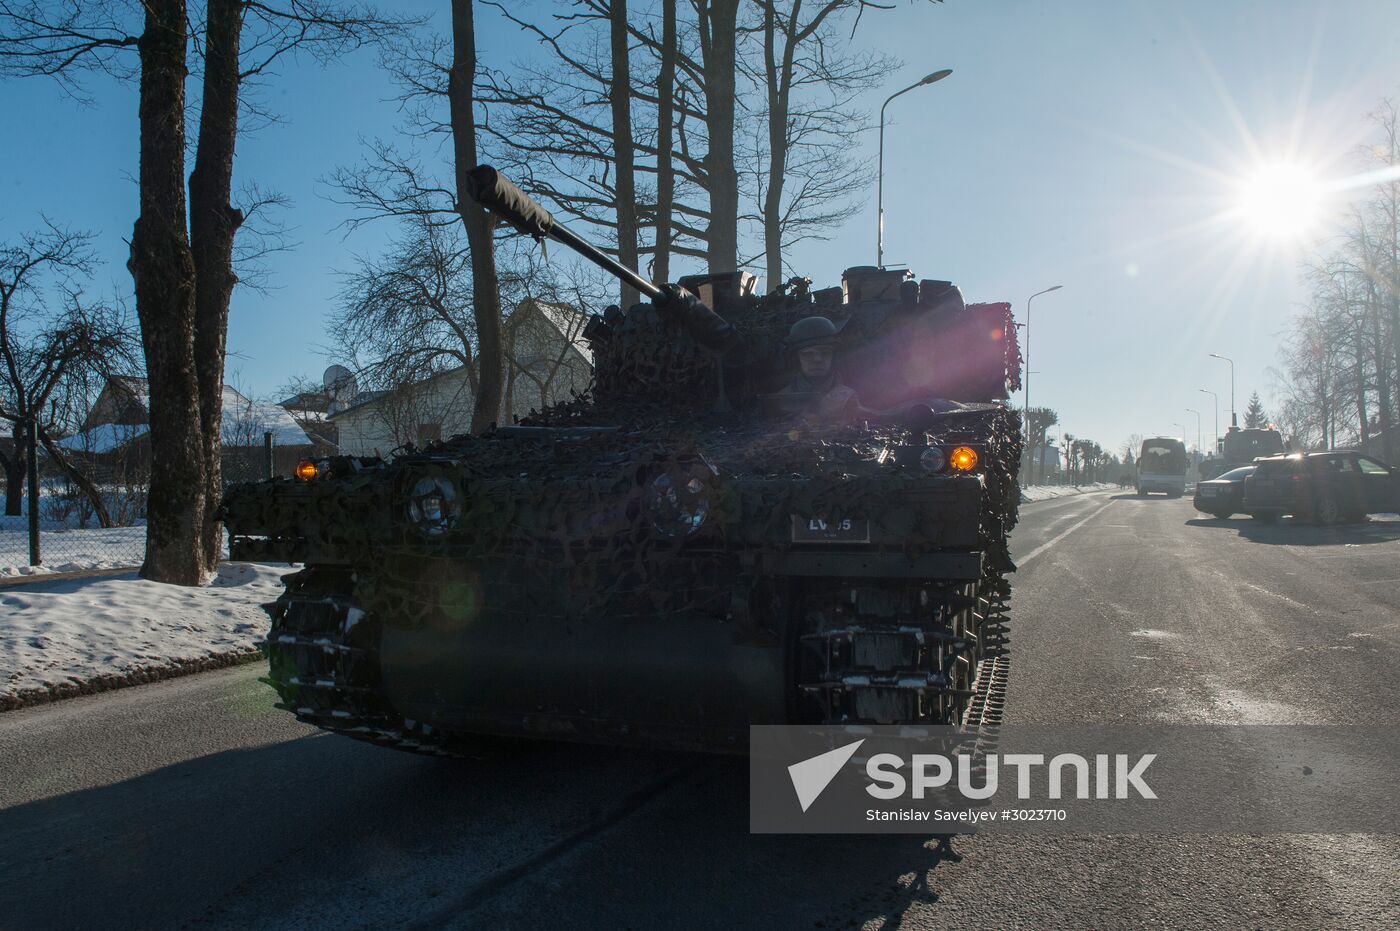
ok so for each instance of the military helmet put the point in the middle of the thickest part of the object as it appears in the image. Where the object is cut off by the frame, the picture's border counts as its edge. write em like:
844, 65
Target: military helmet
810, 331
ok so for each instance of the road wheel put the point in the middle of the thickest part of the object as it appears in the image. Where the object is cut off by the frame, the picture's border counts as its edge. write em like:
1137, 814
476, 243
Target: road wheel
1328, 511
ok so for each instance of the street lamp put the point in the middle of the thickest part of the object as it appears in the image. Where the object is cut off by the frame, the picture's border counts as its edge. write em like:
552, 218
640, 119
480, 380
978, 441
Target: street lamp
1234, 423
1215, 441
1026, 401
1190, 410
880, 173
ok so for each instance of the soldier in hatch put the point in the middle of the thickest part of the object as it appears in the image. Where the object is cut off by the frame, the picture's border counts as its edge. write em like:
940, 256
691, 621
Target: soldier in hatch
816, 390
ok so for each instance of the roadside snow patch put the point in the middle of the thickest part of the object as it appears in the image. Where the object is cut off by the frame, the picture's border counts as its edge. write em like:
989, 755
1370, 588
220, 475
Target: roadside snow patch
1045, 492
72, 636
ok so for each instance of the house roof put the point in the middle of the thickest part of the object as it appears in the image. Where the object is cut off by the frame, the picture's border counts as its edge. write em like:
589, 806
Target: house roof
313, 402
569, 321
367, 397
242, 420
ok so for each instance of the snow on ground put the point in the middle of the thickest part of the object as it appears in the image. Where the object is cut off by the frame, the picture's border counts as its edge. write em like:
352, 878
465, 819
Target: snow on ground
64, 545
69, 636
64, 550
1044, 492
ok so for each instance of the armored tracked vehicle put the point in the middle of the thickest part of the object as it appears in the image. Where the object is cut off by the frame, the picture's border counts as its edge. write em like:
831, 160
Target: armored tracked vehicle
1241, 447
716, 535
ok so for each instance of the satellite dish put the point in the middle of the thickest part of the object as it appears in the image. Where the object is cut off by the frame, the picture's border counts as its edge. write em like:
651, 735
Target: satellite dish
340, 385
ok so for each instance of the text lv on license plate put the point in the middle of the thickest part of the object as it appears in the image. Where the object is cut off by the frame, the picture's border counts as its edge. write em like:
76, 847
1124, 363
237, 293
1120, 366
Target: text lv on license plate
822, 530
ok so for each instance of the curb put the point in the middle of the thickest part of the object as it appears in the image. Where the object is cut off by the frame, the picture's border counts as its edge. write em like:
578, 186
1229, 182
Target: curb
109, 681
29, 578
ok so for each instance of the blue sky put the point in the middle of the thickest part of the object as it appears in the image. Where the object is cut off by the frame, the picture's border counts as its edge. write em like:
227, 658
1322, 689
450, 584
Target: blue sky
1088, 144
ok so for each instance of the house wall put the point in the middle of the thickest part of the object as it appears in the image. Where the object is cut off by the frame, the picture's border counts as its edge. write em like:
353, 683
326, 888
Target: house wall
546, 366
377, 427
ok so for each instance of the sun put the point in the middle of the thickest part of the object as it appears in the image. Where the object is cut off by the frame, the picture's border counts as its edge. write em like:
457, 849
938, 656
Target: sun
1281, 201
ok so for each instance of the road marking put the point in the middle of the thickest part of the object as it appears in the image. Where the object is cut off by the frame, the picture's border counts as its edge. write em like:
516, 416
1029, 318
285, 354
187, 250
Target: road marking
1060, 536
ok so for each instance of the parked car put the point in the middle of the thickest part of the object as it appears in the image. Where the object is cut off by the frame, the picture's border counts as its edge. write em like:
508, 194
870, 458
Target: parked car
1324, 488
1223, 496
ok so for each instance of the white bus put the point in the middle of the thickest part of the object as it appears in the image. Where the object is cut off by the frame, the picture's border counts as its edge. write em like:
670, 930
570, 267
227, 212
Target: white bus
1161, 467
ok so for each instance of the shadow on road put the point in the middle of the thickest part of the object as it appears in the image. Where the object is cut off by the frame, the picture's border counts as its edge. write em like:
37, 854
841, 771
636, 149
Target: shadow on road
326, 832
1291, 532
1134, 496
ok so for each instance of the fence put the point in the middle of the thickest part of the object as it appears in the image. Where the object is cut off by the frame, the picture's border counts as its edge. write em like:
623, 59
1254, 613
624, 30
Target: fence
66, 533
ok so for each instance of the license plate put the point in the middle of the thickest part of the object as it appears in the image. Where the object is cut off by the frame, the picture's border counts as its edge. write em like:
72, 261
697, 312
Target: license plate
821, 530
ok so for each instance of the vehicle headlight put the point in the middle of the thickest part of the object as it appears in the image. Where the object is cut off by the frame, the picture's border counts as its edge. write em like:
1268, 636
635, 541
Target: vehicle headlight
309, 469
964, 459
434, 505
932, 459
677, 503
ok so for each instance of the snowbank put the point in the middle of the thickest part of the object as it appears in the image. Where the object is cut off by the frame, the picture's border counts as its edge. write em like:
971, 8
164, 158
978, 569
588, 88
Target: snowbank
67, 637
1044, 492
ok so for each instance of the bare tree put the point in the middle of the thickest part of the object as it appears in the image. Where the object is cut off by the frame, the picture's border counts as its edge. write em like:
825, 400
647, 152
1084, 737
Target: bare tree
181, 249
665, 141
48, 354
718, 28
804, 176
434, 73
486, 297
579, 138
409, 315
1039, 420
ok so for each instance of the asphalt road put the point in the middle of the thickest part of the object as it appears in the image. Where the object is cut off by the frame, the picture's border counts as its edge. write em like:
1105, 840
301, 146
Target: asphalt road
193, 803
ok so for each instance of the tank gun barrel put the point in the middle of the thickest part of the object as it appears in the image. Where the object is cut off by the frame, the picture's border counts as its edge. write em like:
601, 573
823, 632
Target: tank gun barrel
493, 191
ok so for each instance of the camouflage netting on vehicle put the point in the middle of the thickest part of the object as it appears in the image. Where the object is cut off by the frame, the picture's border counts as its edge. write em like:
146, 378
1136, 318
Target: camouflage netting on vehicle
568, 522
891, 353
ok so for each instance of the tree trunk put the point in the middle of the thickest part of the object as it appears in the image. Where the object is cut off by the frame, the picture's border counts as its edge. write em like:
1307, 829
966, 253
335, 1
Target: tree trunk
163, 269
623, 151
1378, 347
665, 142
778, 78
718, 28
213, 224
486, 292
14, 475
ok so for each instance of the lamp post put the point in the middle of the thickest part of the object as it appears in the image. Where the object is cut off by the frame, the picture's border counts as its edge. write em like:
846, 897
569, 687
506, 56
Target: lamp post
1026, 401
1215, 440
1190, 410
1234, 423
880, 172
